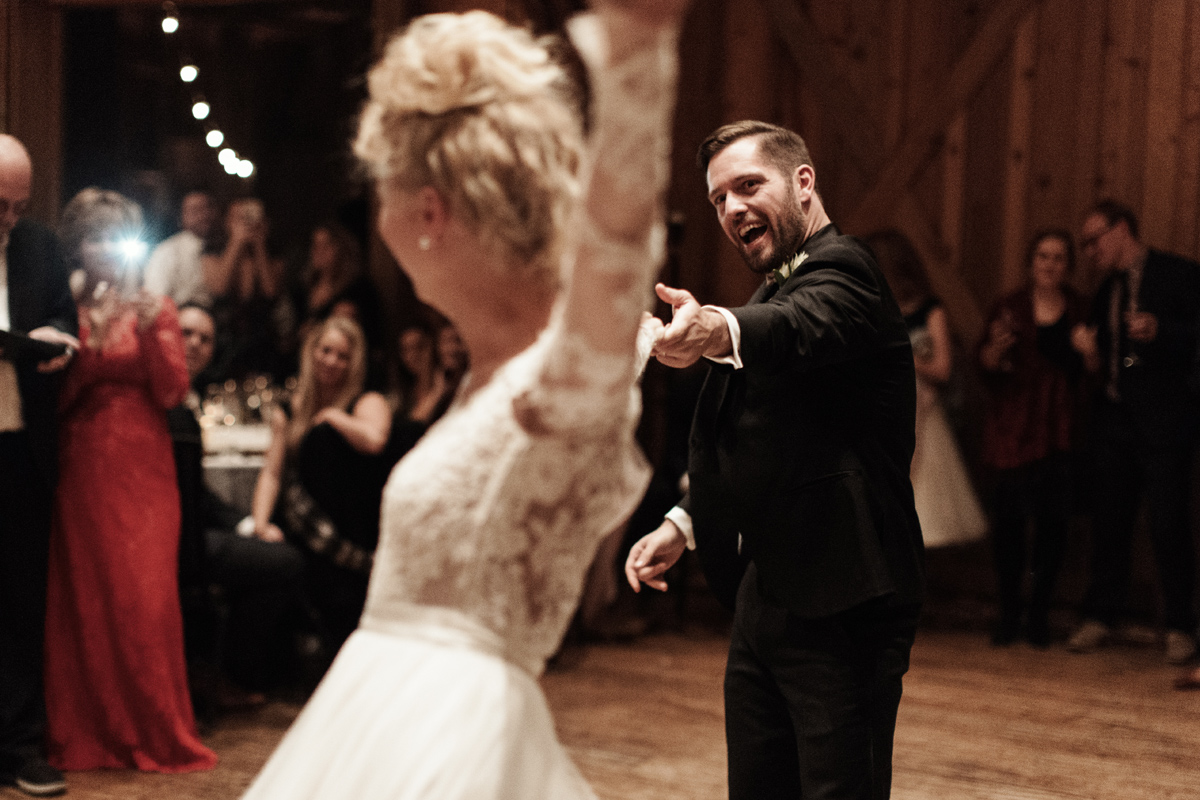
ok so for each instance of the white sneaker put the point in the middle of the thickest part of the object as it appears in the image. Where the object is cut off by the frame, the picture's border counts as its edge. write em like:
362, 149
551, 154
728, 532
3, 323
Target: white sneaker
1180, 647
1090, 635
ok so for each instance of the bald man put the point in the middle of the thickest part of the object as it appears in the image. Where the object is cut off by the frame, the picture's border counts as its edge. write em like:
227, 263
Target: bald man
35, 300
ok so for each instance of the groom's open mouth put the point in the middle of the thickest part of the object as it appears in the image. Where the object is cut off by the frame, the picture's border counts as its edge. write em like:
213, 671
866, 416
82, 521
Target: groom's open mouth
751, 232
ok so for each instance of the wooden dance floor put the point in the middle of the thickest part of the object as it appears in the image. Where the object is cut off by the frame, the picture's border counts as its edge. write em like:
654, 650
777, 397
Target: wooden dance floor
643, 720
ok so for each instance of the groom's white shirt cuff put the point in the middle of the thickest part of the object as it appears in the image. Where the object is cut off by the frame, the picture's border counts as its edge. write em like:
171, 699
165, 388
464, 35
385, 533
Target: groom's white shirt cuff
683, 521
735, 358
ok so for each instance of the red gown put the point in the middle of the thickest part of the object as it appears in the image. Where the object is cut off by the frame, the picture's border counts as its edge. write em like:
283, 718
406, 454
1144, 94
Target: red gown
116, 680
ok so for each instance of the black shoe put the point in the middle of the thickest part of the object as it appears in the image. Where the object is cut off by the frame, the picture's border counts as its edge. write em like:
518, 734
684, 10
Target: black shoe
1037, 633
37, 778
1005, 632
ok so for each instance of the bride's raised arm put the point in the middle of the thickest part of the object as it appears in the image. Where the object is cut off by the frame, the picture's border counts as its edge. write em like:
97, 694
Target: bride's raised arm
618, 238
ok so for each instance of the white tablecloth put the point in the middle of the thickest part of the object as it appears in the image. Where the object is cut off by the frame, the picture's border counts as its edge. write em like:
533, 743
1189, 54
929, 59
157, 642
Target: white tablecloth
233, 456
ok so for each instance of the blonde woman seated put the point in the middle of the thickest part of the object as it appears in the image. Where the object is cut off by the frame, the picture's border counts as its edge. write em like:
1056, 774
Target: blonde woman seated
545, 266
324, 473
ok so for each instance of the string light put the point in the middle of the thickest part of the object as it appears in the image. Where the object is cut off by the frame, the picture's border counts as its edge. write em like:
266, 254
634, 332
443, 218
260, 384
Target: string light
189, 73
170, 22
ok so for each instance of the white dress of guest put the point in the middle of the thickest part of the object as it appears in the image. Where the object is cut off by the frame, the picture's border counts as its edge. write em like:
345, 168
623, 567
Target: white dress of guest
489, 525
174, 270
946, 503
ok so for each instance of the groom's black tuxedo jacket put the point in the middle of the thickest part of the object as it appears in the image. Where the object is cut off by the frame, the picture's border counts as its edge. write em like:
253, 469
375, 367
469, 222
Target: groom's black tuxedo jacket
39, 295
805, 451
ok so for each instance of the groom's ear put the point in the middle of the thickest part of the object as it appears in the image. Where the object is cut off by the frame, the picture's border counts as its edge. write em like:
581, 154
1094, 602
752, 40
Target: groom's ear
804, 183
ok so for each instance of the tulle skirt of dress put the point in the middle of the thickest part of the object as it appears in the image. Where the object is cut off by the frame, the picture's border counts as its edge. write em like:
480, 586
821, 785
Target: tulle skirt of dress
402, 717
946, 503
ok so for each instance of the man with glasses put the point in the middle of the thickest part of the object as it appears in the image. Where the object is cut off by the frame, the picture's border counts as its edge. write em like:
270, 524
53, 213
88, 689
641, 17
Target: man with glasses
35, 300
1141, 344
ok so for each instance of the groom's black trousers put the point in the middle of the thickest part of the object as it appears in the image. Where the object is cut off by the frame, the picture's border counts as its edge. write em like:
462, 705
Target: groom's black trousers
810, 704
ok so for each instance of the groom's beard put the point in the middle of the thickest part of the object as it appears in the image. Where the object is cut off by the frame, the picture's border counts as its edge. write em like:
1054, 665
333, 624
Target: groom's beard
787, 239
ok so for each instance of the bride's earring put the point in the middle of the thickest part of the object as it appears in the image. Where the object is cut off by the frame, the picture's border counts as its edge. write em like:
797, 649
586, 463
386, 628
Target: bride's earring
424, 243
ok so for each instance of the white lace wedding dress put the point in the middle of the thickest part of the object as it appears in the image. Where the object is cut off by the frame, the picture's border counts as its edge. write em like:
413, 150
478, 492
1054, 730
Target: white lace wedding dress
488, 527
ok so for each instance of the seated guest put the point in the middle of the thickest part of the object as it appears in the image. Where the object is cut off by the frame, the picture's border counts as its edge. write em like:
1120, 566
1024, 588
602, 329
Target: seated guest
1033, 376
116, 681
174, 268
324, 473
260, 580
255, 320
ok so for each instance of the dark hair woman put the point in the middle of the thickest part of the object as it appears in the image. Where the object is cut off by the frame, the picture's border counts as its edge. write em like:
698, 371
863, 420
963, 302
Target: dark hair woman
1033, 375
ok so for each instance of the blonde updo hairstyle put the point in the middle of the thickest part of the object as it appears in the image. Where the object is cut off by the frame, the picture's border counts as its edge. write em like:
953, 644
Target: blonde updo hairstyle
98, 214
479, 111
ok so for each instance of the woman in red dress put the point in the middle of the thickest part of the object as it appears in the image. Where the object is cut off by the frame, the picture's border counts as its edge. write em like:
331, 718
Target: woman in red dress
116, 682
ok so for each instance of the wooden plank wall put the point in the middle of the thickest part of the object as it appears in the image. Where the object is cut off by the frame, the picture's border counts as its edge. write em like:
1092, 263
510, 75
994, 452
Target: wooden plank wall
1085, 100
969, 124
31, 94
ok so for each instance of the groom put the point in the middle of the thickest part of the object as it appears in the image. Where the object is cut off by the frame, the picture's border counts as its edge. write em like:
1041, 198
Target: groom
800, 507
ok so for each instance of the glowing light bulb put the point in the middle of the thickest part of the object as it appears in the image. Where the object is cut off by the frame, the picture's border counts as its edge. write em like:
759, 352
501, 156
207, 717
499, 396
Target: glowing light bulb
170, 24
189, 73
228, 156
231, 167
200, 109
245, 168
214, 138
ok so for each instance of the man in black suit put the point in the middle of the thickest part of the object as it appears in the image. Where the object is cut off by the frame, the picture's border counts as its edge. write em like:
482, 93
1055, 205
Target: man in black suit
35, 300
1141, 344
800, 503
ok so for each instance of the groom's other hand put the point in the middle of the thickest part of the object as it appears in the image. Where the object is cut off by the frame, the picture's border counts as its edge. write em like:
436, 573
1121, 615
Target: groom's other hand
654, 554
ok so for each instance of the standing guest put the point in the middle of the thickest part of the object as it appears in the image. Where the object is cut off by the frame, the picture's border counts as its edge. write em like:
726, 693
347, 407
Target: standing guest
946, 502
174, 269
425, 388
334, 282
489, 523
116, 681
324, 472
35, 298
1141, 342
799, 503
451, 354
261, 580
1032, 374
255, 319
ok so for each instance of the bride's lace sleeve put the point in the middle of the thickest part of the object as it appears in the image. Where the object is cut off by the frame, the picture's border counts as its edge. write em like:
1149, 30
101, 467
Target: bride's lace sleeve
617, 236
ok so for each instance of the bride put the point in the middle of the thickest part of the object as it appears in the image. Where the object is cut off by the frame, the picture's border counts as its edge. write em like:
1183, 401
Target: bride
542, 252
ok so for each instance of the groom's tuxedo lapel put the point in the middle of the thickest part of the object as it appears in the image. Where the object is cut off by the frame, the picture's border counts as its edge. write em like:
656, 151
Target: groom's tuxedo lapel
728, 375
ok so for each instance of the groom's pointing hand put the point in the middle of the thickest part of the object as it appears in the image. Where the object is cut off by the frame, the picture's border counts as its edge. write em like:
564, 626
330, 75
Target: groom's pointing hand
695, 331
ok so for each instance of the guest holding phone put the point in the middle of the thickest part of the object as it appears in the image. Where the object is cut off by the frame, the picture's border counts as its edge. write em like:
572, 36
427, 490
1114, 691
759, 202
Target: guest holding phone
116, 683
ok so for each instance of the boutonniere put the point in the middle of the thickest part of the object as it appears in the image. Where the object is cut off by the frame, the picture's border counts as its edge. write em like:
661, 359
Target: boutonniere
784, 272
